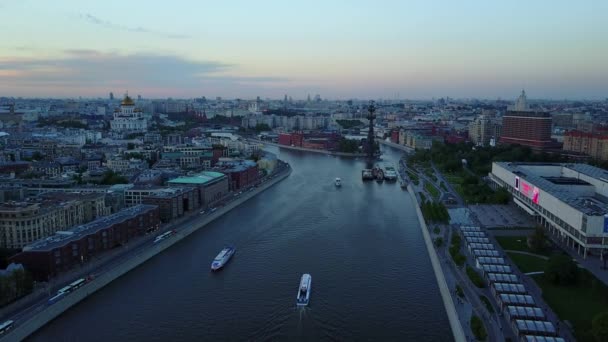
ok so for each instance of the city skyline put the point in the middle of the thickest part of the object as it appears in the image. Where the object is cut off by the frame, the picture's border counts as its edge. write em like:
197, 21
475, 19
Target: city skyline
340, 50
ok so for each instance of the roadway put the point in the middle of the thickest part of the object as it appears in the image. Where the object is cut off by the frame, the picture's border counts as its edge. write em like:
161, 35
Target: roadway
119, 255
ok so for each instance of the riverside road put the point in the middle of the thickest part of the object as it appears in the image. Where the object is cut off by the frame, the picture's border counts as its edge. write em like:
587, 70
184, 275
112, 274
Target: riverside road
371, 275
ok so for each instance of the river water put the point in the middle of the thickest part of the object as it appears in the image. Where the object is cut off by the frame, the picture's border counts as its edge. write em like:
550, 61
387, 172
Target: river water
372, 278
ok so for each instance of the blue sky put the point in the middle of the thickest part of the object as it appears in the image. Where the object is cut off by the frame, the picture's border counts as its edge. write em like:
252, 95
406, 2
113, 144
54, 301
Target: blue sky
338, 49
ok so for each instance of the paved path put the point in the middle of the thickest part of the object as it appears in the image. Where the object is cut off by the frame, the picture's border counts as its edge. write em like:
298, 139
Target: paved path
527, 253
455, 323
592, 263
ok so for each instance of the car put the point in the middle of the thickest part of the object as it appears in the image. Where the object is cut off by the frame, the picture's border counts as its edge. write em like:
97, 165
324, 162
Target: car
202, 212
213, 209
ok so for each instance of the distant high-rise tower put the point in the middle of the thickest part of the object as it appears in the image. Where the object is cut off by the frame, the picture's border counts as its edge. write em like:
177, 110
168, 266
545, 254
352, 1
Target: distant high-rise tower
138, 97
111, 96
521, 125
308, 99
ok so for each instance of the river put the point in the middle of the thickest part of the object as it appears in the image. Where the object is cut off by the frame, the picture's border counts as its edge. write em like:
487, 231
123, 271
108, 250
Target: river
371, 275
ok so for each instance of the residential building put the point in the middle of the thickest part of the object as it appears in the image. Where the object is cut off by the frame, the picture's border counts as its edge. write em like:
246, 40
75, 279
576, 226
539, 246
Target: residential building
24, 222
484, 131
189, 156
123, 165
67, 249
594, 144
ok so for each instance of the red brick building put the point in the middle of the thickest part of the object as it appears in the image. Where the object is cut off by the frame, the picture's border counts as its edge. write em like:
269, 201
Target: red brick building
395, 136
528, 128
240, 173
321, 141
66, 249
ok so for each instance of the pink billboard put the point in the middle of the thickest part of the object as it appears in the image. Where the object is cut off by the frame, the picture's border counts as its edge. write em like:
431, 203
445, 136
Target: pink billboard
529, 191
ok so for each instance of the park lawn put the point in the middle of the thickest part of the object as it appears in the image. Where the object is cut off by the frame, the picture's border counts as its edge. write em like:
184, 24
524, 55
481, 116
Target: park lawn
518, 243
528, 263
456, 181
515, 243
432, 190
577, 304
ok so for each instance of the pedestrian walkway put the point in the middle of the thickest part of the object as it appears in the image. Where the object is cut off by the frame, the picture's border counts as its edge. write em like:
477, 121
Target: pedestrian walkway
527, 253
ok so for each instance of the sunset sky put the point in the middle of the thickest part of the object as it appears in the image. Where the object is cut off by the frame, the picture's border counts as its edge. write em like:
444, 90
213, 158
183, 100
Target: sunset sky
338, 49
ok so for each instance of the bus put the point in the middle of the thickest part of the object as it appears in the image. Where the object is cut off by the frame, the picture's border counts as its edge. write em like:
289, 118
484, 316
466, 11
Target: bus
163, 236
65, 290
78, 283
6, 326
57, 298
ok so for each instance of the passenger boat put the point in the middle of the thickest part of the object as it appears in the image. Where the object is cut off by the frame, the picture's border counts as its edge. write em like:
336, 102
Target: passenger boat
367, 174
304, 290
338, 182
222, 258
390, 174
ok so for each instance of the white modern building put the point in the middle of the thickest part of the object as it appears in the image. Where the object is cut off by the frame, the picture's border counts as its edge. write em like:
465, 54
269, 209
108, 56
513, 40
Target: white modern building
570, 200
128, 118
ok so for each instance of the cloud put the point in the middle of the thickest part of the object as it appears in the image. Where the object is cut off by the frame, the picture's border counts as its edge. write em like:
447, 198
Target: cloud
107, 24
88, 71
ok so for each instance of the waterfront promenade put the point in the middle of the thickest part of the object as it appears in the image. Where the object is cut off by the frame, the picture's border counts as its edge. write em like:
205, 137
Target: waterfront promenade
35, 314
295, 148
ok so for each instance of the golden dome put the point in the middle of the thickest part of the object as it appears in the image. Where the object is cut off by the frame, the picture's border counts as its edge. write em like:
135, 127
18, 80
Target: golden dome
127, 101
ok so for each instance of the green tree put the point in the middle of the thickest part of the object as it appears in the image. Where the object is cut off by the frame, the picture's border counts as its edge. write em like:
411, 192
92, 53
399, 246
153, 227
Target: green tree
537, 240
37, 156
561, 269
599, 327
478, 329
111, 178
262, 127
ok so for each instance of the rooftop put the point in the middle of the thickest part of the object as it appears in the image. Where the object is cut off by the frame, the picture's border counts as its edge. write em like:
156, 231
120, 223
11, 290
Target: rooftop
62, 238
202, 178
555, 183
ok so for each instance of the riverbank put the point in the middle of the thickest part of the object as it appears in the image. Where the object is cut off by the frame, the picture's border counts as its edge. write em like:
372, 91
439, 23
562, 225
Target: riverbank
446, 295
295, 148
397, 146
45, 314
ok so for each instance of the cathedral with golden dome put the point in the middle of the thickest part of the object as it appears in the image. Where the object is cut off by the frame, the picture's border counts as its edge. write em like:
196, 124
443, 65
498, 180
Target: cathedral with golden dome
128, 118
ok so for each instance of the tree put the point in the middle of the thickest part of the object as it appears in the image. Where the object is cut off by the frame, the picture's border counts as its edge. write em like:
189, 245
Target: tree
37, 156
111, 178
536, 241
561, 269
502, 196
599, 327
262, 127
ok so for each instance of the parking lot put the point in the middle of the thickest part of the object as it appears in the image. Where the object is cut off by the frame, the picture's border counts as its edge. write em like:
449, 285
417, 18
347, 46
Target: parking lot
501, 216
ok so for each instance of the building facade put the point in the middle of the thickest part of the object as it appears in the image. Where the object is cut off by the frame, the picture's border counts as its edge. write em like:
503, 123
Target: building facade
523, 126
212, 186
22, 223
484, 131
174, 202
568, 199
66, 249
592, 144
